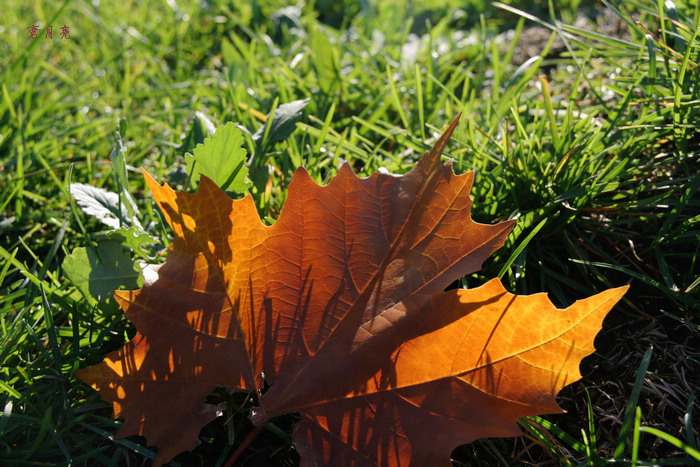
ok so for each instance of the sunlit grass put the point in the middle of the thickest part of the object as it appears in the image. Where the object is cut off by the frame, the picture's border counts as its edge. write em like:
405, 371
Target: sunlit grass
594, 148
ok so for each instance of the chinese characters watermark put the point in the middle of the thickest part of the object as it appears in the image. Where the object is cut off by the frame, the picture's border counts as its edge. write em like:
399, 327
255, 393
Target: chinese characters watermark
34, 32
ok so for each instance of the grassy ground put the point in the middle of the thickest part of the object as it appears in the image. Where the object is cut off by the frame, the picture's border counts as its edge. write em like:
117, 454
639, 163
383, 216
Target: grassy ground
593, 143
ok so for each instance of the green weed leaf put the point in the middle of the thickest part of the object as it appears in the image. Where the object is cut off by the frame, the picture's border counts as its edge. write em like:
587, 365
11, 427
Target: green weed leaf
136, 239
282, 123
104, 205
222, 159
97, 273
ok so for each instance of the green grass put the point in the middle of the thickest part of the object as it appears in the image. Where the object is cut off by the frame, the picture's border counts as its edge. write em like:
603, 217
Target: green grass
593, 145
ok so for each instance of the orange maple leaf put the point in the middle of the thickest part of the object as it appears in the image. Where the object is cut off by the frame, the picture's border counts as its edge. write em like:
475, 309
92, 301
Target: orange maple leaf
340, 305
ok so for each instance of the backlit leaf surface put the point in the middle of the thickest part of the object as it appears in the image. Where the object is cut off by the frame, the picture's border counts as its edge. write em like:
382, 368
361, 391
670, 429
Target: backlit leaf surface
340, 305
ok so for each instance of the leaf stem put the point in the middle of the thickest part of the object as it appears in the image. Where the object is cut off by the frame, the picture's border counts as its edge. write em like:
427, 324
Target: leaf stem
246, 442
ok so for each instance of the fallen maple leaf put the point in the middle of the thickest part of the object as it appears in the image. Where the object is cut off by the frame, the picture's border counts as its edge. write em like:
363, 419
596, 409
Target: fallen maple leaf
339, 307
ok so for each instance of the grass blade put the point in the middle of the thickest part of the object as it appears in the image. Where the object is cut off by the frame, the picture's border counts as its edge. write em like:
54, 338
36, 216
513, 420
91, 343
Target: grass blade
631, 405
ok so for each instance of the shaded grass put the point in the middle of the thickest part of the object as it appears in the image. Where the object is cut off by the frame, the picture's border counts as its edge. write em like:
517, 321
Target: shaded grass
594, 149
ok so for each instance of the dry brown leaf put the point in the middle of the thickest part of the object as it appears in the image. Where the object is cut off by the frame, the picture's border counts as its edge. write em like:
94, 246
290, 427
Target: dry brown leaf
340, 305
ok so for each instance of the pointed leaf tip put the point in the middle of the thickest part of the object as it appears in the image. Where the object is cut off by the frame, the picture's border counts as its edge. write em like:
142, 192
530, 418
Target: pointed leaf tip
432, 157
